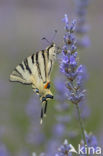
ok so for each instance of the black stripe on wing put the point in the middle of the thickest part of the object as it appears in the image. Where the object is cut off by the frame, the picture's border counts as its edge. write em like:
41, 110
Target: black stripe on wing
48, 50
32, 58
19, 74
44, 59
27, 65
38, 66
21, 65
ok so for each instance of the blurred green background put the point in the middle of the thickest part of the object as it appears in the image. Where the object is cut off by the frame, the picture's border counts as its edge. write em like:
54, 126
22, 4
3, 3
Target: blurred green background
22, 25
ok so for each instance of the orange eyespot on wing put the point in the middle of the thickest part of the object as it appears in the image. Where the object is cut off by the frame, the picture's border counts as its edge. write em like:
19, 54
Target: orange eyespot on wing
47, 85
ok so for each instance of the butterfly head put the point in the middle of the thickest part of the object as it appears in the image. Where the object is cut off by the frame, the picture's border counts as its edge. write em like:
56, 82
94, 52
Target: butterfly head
58, 50
53, 49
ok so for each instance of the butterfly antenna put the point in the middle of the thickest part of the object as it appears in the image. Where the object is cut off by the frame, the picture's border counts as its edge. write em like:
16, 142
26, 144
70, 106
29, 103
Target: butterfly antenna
45, 108
44, 38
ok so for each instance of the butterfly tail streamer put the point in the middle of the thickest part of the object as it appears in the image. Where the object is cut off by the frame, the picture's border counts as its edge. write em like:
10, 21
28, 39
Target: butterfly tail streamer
43, 111
42, 114
45, 108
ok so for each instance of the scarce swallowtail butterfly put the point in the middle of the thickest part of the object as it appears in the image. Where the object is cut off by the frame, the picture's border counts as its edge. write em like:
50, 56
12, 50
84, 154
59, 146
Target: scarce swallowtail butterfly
35, 70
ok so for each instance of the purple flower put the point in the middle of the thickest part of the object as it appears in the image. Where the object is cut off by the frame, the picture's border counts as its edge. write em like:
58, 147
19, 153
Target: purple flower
73, 62
3, 150
63, 119
70, 67
91, 142
85, 111
84, 42
52, 147
60, 94
59, 130
35, 135
60, 85
72, 134
66, 21
82, 27
33, 108
62, 107
64, 150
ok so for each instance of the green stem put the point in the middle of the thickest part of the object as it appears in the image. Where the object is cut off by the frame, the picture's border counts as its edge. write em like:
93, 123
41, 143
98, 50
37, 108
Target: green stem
81, 124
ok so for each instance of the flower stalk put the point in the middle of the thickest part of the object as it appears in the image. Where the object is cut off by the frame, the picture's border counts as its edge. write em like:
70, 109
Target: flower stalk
81, 124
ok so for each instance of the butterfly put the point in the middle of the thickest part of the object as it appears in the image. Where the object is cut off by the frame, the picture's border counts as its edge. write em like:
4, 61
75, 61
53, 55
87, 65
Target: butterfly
35, 70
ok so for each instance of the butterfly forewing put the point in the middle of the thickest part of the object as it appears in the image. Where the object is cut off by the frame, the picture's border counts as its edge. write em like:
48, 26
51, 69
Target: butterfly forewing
23, 72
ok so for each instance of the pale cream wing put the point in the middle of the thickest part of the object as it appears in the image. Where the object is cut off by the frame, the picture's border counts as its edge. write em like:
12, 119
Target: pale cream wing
50, 59
24, 72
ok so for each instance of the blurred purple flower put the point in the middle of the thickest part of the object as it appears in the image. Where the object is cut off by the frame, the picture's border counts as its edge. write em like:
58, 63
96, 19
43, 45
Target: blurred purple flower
3, 150
63, 119
64, 150
59, 130
60, 85
85, 111
84, 42
33, 108
60, 94
35, 134
91, 142
62, 106
72, 134
52, 146
82, 27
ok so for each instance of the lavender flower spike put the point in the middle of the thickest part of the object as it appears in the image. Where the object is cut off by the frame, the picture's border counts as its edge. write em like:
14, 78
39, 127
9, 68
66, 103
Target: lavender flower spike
72, 70
70, 67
